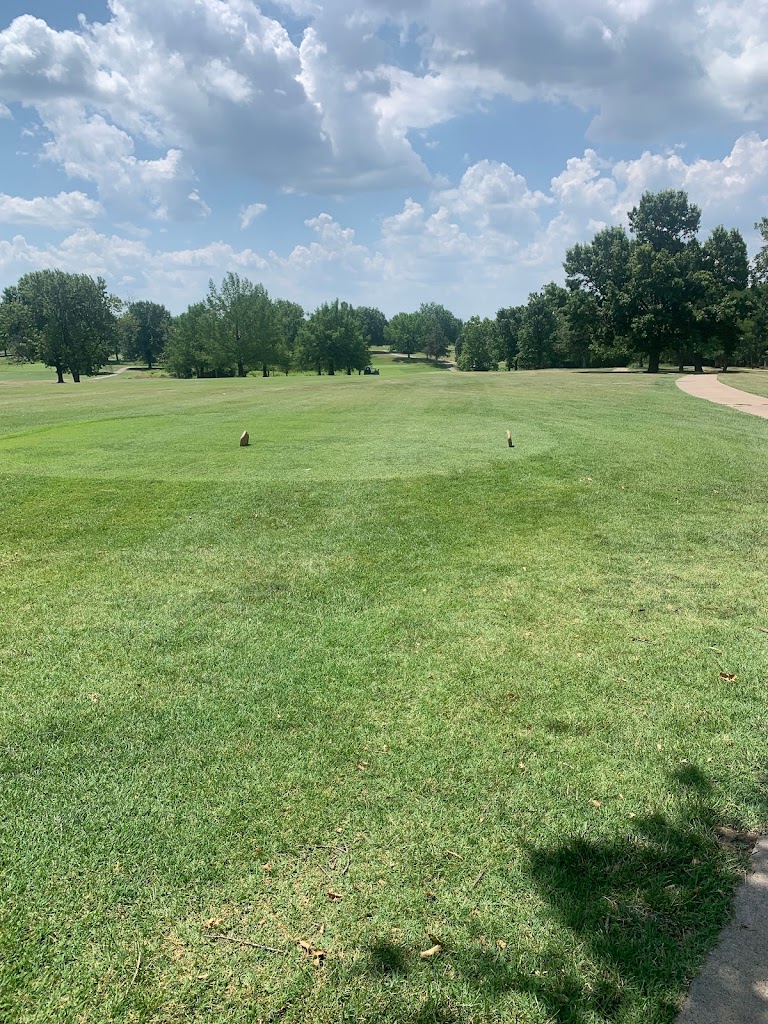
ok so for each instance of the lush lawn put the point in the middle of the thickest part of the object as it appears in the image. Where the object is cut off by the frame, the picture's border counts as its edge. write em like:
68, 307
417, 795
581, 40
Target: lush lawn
277, 720
12, 372
754, 381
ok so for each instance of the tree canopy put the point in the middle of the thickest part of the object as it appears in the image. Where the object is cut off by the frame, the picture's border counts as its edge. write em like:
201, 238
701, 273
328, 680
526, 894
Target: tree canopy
63, 320
654, 292
331, 340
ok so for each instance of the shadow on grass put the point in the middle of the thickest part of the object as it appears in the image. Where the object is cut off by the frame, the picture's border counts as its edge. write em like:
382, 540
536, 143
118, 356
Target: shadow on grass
633, 369
439, 365
631, 917
388, 958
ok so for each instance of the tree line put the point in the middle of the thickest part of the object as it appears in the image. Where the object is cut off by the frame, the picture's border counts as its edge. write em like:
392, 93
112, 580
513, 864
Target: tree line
651, 294
71, 323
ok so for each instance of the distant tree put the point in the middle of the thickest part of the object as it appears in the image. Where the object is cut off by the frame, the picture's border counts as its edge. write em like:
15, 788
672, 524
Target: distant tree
126, 336
759, 270
434, 343
150, 323
18, 331
331, 340
372, 325
479, 345
289, 317
247, 325
193, 343
440, 329
264, 325
508, 323
753, 345
404, 333
70, 323
580, 316
721, 302
539, 332
118, 308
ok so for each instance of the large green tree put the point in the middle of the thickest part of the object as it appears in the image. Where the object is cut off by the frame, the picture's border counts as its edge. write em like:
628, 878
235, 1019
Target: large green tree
404, 333
288, 320
755, 322
661, 292
539, 332
599, 271
68, 324
439, 329
150, 322
580, 340
248, 327
508, 321
18, 330
373, 325
193, 344
479, 345
435, 343
666, 220
721, 300
331, 340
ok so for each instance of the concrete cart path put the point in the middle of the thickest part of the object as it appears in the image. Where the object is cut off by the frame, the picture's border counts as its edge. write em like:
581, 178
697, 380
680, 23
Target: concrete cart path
733, 986
708, 386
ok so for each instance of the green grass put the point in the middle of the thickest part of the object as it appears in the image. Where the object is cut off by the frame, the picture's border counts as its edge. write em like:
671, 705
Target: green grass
753, 381
475, 691
12, 372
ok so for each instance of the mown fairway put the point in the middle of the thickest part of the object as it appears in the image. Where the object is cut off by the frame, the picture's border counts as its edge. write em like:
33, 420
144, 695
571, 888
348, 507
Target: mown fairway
277, 720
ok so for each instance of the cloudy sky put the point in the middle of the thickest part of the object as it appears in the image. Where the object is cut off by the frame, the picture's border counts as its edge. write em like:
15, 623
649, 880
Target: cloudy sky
388, 152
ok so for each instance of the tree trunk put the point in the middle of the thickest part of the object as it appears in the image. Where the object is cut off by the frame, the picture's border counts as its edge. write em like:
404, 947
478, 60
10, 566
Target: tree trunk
59, 374
240, 368
265, 370
653, 362
681, 368
725, 368
697, 367
76, 376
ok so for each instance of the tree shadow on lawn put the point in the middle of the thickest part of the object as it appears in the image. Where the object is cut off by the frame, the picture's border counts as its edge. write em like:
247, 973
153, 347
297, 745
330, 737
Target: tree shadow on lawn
405, 361
636, 913
632, 370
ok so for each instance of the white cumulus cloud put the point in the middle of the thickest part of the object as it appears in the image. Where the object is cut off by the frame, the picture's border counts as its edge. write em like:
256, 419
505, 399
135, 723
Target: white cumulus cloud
66, 210
250, 213
477, 244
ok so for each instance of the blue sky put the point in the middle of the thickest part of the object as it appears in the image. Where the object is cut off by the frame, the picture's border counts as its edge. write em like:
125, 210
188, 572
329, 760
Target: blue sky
387, 152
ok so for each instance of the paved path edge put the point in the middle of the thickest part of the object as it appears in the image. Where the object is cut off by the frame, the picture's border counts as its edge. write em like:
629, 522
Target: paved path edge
706, 385
732, 987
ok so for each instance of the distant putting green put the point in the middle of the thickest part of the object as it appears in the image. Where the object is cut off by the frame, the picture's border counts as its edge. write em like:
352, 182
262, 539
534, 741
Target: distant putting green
378, 719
